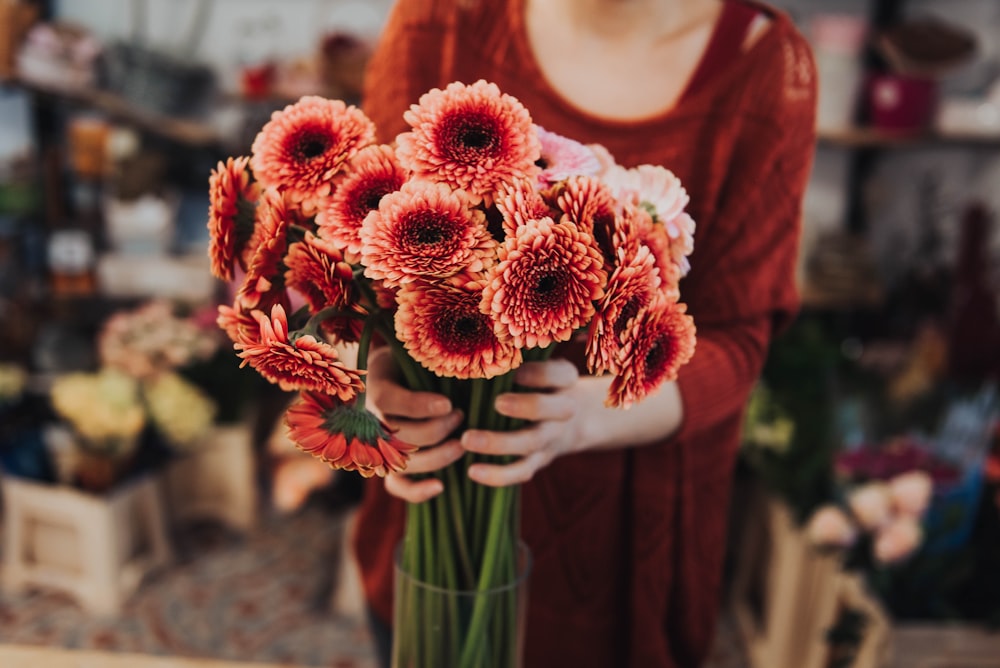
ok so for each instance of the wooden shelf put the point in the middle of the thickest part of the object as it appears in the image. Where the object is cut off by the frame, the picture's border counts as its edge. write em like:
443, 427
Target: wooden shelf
872, 138
194, 133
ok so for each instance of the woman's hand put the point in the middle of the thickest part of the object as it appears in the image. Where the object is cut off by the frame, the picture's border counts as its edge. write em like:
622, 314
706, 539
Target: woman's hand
554, 411
424, 419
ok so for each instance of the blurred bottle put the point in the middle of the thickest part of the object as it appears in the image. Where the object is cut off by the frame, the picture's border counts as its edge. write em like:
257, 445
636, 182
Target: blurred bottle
974, 321
838, 43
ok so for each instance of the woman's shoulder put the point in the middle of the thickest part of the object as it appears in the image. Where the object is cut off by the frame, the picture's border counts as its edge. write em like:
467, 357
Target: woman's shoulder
775, 83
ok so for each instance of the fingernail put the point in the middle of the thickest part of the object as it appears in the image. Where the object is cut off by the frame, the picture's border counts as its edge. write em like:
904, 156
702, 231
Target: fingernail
502, 403
440, 406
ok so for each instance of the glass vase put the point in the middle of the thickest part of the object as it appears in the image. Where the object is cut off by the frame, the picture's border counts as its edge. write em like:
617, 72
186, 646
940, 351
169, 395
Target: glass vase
441, 627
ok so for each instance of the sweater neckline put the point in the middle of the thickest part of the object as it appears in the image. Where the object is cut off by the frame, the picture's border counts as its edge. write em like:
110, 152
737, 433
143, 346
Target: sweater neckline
686, 101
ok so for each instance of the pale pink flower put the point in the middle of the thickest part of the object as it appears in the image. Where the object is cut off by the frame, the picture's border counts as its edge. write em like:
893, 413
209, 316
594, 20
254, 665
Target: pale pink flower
898, 539
871, 505
562, 157
911, 492
830, 526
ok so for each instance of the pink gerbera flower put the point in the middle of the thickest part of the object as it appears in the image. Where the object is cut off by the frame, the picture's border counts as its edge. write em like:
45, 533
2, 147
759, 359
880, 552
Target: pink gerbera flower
562, 157
232, 199
651, 186
471, 137
660, 340
302, 363
373, 173
424, 230
631, 289
545, 283
345, 437
443, 328
305, 145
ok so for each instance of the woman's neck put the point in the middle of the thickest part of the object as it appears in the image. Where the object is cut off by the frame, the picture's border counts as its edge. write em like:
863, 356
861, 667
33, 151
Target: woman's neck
630, 19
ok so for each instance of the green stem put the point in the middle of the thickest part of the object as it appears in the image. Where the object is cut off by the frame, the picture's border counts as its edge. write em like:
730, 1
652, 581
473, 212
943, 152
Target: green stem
487, 577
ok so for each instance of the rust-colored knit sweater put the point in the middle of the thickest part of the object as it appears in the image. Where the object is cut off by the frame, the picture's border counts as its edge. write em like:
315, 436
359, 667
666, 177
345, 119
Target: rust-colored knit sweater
628, 544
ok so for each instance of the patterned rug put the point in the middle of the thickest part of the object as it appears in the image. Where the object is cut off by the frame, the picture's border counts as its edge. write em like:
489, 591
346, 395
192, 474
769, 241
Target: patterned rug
263, 596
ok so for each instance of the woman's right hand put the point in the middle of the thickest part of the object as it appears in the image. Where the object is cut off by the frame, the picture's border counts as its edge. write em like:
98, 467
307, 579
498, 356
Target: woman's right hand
423, 419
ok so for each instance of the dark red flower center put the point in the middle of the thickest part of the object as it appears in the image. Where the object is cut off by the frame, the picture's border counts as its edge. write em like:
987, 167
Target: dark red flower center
658, 357
368, 196
464, 329
310, 143
549, 288
628, 311
469, 136
424, 230
604, 231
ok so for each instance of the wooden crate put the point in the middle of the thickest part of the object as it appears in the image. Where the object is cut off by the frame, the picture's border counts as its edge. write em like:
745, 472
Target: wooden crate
786, 595
96, 548
216, 481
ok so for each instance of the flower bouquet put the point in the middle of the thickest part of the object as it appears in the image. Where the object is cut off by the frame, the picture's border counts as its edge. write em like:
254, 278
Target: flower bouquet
475, 242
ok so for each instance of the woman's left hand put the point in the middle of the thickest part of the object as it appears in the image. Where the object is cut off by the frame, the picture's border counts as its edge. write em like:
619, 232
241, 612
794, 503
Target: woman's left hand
553, 410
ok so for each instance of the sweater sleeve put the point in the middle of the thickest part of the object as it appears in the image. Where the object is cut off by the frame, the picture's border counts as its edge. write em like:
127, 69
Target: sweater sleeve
746, 289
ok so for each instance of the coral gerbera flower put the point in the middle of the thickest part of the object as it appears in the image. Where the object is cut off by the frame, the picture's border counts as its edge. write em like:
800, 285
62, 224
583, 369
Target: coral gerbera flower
317, 270
545, 283
425, 230
471, 137
631, 289
305, 145
562, 157
518, 202
300, 363
655, 237
232, 199
590, 204
659, 342
263, 284
345, 437
238, 325
443, 328
374, 172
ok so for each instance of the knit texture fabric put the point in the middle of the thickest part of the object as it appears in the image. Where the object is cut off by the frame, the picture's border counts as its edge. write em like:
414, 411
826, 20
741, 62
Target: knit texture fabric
628, 544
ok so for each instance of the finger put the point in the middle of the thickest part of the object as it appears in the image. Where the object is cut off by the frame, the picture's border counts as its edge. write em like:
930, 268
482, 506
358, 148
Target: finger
436, 458
518, 443
413, 491
553, 374
424, 432
396, 400
535, 407
503, 475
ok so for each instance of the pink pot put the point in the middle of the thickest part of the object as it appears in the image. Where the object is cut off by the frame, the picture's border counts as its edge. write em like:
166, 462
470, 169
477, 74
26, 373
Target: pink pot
899, 103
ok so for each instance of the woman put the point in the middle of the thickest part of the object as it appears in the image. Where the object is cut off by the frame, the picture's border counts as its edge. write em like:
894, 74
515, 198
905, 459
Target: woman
625, 511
